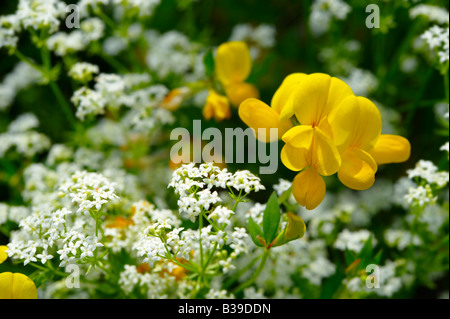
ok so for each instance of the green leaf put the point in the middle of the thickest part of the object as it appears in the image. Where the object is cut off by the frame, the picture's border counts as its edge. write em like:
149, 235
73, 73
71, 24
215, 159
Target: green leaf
366, 253
271, 218
208, 61
285, 196
377, 258
255, 232
349, 257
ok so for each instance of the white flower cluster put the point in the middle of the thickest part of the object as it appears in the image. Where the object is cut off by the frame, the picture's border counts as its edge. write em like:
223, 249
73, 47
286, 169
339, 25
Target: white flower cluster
427, 171
353, 241
282, 186
21, 77
422, 195
89, 191
113, 91
259, 37
194, 186
144, 8
21, 136
161, 240
437, 39
35, 14
77, 246
385, 280
432, 13
58, 153
362, 82
52, 229
14, 214
310, 257
83, 71
341, 57
151, 285
219, 294
40, 14
8, 39
63, 43
401, 238
125, 235
170, 53
88, 102
322, 13
44, 233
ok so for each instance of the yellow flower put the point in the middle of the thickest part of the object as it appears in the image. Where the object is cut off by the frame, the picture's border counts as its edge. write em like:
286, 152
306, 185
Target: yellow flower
16, 286
233, 65
3, 254
309, 147
233, 62
338, 133
258, 115
217, 106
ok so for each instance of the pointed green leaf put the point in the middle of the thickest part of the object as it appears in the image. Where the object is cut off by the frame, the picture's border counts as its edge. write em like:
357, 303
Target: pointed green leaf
285, 196
366, 253
255, 232
271, 218
208, 61
377, 258
350, 256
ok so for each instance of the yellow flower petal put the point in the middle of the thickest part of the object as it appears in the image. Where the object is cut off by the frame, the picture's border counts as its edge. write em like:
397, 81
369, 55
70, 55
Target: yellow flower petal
391, 149
283, 99
300, 136
258, 115
326, 157
309, 188
317, 96
311, 97
3, 254
295, 154
239, 92
339, 90
233, 62
217, 106
357, 170
356, 124
294, 158
16, 286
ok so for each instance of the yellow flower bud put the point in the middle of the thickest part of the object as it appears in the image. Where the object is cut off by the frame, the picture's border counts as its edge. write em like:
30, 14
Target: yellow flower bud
217, 106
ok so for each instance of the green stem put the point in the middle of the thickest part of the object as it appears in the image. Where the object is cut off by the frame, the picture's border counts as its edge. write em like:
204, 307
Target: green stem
200, 226
419, 96
27, 60
214, 225
255, 274
205, 267
51, 269
63, 103
239, 273
446, 83
46, 59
